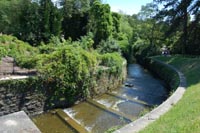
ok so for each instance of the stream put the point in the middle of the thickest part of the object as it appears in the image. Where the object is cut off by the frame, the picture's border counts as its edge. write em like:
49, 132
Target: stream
140, 93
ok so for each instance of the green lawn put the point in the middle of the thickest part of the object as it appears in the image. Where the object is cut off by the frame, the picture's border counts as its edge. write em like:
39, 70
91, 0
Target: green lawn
184, 117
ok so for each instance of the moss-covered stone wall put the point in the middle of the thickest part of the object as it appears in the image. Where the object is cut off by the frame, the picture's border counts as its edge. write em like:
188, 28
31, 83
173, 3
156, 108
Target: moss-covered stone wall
31, 96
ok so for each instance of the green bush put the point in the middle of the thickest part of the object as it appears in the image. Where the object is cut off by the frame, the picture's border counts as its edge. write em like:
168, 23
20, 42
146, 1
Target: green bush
126, 48
112, 60
47, 49
86, 42
143, 49
3, 52
68, 72
21, 51
108, 46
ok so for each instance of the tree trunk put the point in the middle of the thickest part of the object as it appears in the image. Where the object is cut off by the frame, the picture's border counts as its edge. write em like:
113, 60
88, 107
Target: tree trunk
185, 29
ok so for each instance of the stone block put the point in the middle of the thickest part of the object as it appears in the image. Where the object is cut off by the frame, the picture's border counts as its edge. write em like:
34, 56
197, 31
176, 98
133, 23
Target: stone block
9, 95
28, 98
2, 96
27, 104
1, 103
17, 122
2, 90
13, 105
31, 107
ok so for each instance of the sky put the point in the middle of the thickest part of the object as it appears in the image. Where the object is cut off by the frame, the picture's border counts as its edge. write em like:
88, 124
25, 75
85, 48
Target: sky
127, 6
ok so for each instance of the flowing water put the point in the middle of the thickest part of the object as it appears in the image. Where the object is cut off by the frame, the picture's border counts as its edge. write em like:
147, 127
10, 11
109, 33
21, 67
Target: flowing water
140, 92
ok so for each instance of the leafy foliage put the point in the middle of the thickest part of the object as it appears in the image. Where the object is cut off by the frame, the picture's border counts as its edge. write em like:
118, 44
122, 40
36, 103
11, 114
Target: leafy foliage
112, 60
69, 71
177, 14
66, 70
108, 46
75, 18
3, 52
21, 51
50, 20
100, 22
30, 23
9, 23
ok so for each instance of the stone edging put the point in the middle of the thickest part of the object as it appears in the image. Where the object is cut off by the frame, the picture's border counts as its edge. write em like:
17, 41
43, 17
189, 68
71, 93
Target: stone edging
145, 120
13, 77
17, 122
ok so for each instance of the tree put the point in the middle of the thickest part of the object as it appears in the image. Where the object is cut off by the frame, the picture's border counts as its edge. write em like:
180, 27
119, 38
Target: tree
55, 21
116, 18
50, 20
75, 18
9, 16
30, 22
45, 10
147, 31
177, 14
116, 21
100, 22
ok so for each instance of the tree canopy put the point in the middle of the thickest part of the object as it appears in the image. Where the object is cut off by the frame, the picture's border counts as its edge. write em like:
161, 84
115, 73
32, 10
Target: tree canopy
175, 25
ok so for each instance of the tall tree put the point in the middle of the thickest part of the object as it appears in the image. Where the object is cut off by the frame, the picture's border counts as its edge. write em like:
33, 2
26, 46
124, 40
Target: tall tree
50, 20
148, 31
9, 16
75, 13
148, 27
56, 21
30, 22
116, 22
193, 46
45, 11
100, 22
177, 14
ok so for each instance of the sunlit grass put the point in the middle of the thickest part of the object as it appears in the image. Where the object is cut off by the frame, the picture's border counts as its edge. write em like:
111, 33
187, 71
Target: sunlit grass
184, 117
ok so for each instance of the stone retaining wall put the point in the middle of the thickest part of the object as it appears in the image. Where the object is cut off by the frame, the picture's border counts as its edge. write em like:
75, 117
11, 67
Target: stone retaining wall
36, 100
12, 101
17, 122
8, 67
107, 81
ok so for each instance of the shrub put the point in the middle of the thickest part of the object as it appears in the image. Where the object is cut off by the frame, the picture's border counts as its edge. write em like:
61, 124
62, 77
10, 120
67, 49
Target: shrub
68, 72
17, 49
3, 52
108, 46
112, 60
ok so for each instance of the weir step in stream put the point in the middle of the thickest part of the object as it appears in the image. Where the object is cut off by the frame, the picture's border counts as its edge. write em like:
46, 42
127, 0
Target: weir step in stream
110, 110
113, 109
129, 99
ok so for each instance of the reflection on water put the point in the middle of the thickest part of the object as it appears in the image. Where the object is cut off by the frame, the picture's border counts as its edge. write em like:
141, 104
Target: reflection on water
130, 101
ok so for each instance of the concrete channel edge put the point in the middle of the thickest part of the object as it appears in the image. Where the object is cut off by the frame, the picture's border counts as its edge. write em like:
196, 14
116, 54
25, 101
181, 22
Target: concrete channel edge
150, 117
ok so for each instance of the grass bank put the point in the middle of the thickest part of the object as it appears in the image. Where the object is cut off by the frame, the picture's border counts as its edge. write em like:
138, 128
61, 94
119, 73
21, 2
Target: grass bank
184, 117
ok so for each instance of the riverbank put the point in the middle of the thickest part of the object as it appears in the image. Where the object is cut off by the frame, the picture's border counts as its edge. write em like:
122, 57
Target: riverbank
184, 116
113, 109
